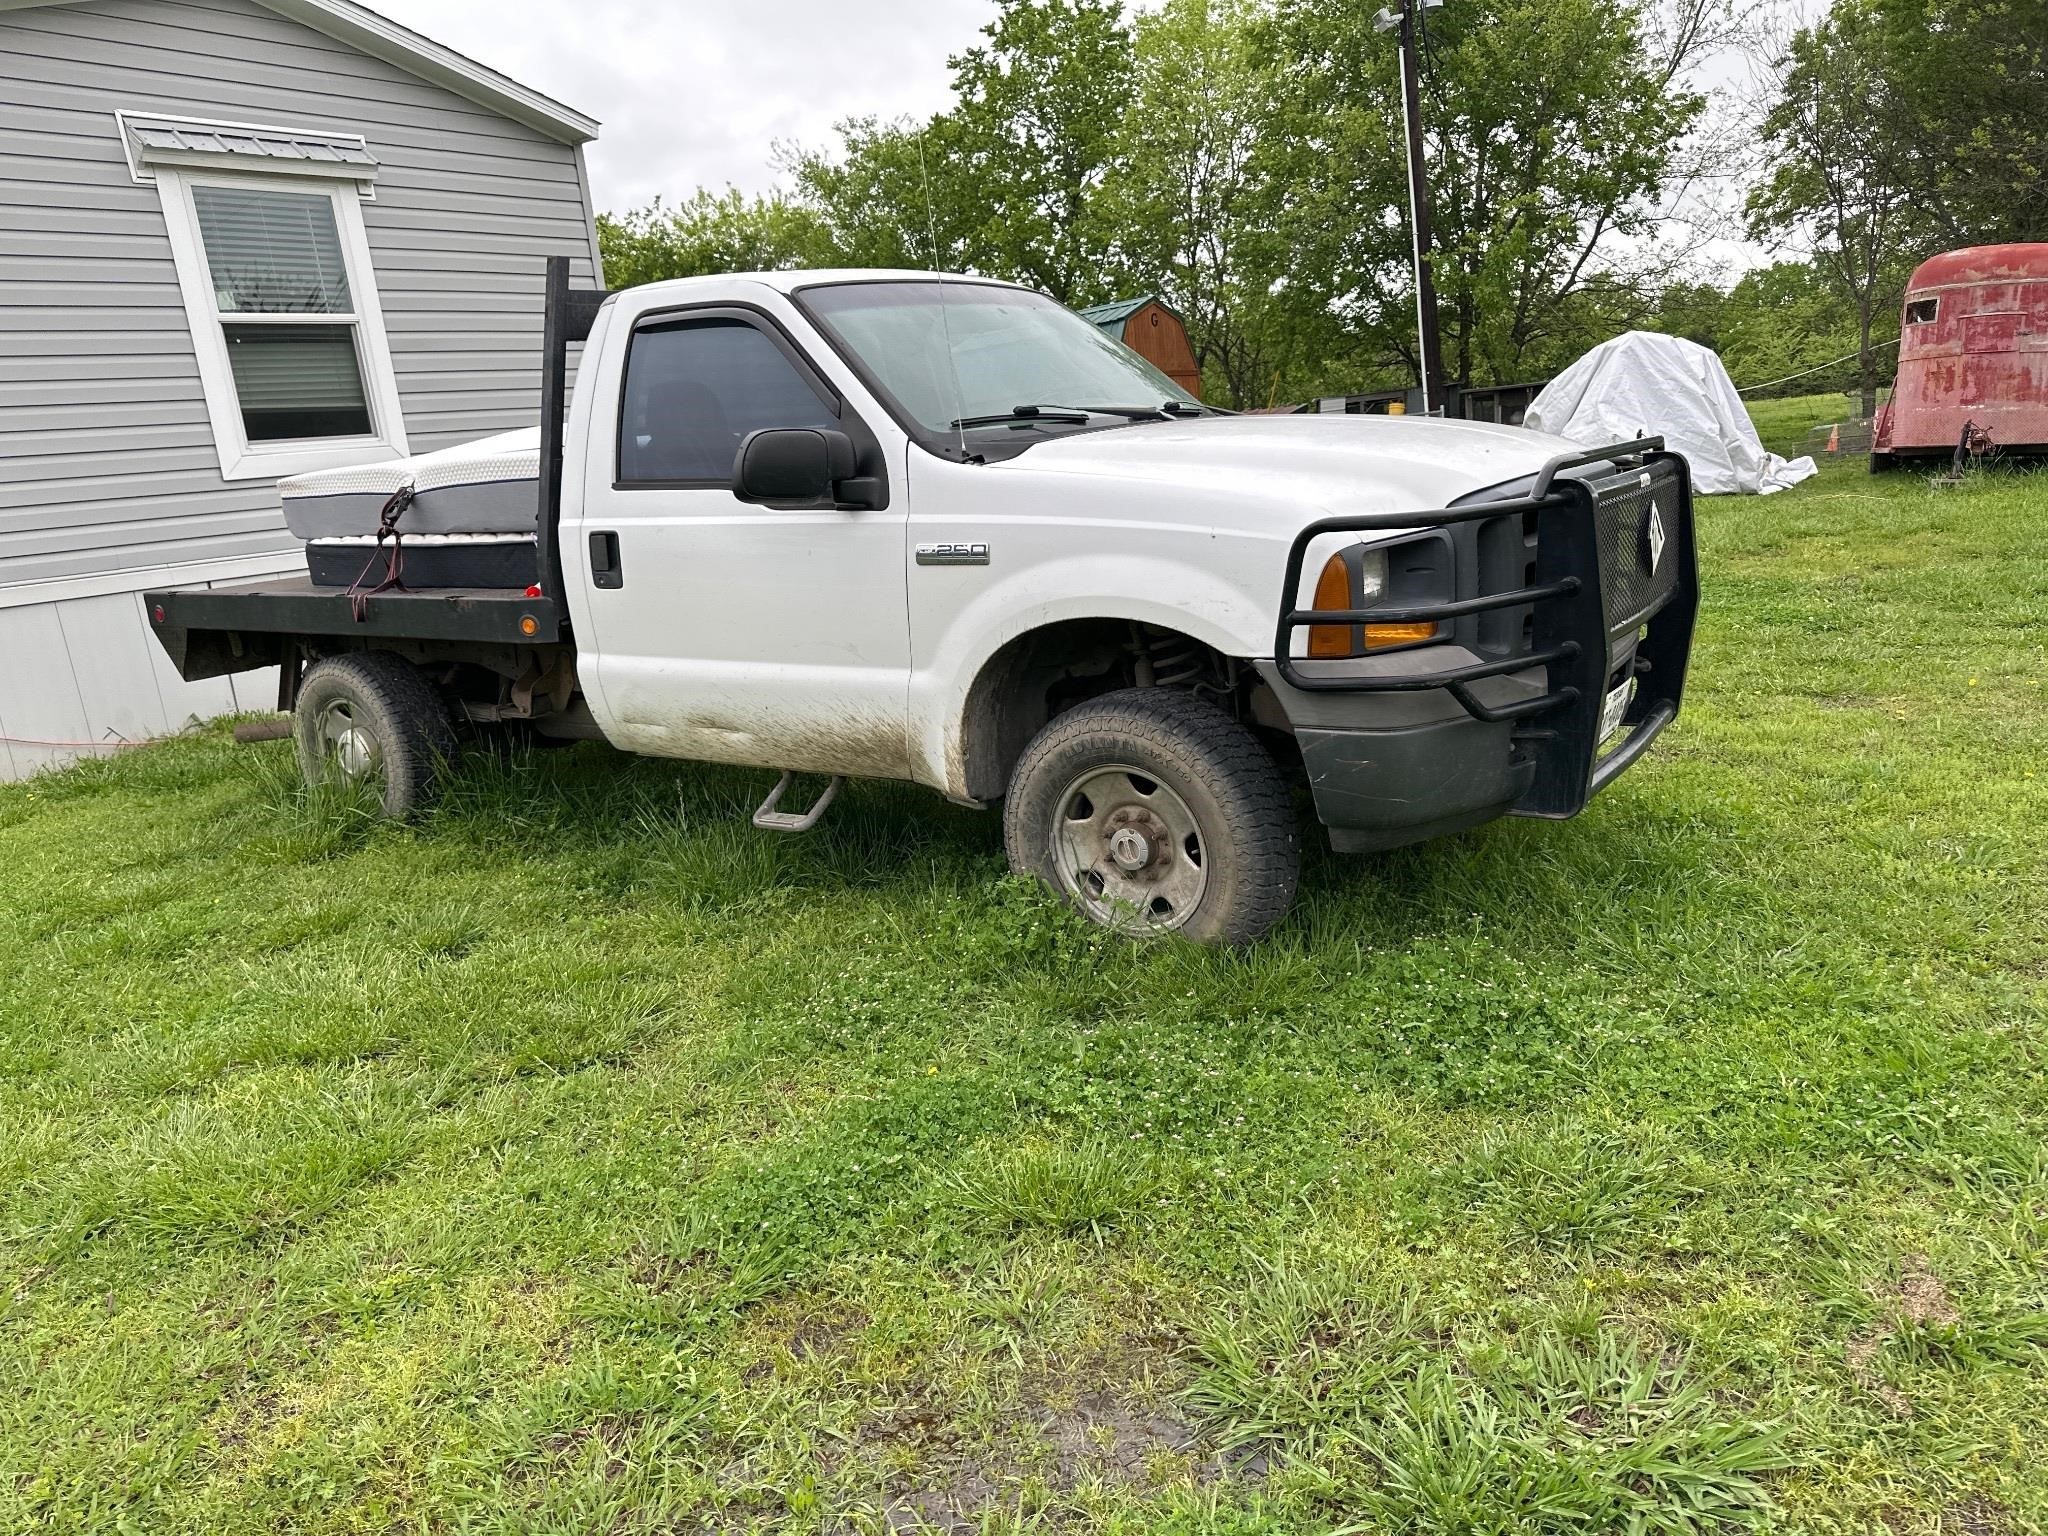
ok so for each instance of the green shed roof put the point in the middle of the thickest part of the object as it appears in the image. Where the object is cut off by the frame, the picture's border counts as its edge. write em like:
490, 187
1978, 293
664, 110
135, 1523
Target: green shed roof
1108, 315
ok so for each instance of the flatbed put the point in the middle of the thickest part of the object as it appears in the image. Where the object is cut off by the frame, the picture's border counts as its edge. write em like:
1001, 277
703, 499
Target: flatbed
213, 631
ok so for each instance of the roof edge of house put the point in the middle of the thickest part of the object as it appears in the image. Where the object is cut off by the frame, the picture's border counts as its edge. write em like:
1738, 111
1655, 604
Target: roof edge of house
383, 38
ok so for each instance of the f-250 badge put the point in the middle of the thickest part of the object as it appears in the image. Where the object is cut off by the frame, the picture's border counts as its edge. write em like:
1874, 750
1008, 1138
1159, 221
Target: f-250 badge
952, 554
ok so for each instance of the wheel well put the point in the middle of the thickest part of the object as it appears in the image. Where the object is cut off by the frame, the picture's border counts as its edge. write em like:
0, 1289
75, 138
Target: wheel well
1046, 671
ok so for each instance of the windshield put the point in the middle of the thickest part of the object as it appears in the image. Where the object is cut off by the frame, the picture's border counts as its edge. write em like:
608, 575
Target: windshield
972, 353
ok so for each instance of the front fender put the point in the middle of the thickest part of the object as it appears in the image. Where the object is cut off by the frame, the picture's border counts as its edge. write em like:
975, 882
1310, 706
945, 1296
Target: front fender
1232, 615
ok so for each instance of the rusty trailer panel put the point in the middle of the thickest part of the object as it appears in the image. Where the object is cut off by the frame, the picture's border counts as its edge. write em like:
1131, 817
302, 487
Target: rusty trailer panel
1973, 355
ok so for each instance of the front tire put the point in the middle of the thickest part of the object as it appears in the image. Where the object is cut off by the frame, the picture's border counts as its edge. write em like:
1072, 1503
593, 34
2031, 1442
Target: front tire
1154, 813
370, 718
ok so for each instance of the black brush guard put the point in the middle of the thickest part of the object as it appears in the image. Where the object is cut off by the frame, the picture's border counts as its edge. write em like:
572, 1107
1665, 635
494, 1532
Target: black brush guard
1581, 599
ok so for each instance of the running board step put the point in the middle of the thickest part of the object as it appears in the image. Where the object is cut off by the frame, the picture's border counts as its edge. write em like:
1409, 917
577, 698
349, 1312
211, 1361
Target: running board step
769, 819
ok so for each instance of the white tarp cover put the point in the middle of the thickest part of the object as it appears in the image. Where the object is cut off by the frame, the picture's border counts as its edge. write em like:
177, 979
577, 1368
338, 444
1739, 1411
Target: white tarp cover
1644, 384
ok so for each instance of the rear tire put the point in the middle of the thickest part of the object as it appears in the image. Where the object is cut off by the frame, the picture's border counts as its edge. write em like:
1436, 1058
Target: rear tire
370, 718
1154, 813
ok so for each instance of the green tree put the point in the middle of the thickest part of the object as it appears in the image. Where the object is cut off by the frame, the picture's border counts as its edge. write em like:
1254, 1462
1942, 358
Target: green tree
1783, 319
1968, 82
1035, 131
1551, 126
1190, 212
711, 232
1006, 181
1839, 181
1696, 311
891, 195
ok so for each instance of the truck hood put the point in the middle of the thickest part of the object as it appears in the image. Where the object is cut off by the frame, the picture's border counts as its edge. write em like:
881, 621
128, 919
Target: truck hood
1312, 465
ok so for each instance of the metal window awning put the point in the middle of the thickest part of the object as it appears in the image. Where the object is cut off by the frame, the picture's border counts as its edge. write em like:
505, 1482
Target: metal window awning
150, 141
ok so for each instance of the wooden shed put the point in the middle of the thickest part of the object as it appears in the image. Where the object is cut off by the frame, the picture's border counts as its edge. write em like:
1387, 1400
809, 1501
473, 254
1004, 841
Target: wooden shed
1152, 329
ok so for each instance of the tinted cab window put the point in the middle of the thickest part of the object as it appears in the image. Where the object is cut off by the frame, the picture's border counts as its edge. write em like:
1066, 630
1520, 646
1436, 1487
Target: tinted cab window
694, 390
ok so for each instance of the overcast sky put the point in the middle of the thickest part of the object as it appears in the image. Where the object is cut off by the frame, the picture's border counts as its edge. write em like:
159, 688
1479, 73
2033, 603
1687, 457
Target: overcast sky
698, 92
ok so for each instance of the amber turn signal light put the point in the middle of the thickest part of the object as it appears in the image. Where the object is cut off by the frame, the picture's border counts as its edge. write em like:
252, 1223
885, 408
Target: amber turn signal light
1397, 634
1333, 590
1330, 641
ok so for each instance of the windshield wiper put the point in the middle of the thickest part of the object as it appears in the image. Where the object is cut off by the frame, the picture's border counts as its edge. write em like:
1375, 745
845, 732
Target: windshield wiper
1077, 415
1168, 408
1128, 412
1072, 415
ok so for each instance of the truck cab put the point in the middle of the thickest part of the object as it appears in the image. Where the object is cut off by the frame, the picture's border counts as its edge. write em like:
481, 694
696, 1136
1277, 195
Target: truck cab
939, 528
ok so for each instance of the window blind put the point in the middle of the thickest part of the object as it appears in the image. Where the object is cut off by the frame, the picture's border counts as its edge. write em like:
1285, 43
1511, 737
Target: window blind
272, 252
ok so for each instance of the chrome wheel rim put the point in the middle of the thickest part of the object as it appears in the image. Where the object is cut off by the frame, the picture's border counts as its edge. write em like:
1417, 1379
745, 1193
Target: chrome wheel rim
1128, 851
347, 748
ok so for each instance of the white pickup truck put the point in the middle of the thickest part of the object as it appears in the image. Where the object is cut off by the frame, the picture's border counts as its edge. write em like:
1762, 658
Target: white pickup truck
898, 525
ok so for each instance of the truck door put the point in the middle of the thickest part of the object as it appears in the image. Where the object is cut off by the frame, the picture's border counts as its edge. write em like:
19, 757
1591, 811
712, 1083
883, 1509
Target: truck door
726, 631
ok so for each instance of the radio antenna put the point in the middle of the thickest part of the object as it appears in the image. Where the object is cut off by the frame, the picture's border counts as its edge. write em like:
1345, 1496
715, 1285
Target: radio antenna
931, 233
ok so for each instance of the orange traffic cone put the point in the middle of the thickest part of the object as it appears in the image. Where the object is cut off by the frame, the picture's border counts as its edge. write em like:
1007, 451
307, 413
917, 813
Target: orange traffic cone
1835, 438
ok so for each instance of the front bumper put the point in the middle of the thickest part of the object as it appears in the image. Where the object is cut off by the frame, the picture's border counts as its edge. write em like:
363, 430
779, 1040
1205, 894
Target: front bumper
1411, 744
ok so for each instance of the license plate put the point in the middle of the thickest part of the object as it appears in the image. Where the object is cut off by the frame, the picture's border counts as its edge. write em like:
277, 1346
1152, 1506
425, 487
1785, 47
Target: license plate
1615, 707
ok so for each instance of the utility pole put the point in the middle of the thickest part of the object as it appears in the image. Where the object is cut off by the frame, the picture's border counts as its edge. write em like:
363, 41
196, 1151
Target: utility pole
1402, 17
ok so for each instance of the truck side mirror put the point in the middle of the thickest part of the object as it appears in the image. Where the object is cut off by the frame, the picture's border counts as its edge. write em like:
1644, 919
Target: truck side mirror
793, 464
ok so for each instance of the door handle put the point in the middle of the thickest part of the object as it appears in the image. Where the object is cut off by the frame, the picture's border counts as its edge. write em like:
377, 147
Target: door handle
604, 562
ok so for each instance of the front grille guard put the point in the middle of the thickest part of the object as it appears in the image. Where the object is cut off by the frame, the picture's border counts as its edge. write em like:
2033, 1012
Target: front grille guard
1571, 639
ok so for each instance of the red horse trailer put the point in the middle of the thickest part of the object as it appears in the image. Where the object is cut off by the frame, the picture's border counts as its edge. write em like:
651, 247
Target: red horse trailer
1973, 357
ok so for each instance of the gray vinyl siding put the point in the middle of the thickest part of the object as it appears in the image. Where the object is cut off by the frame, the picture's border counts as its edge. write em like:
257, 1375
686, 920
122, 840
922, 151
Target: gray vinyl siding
100, 683
107, 462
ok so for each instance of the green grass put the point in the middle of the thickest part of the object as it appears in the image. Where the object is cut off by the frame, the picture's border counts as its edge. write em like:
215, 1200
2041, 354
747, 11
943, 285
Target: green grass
1784, 423
582, 1160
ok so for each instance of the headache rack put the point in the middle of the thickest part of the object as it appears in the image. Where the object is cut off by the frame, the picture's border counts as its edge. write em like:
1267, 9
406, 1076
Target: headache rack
569, 316
1592, 585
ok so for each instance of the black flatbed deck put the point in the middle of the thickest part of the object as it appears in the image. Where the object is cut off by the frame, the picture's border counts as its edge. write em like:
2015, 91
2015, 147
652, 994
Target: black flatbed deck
216, 630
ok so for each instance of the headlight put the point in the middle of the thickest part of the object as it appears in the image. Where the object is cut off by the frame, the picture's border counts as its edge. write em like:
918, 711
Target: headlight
1357, 577
1369, 576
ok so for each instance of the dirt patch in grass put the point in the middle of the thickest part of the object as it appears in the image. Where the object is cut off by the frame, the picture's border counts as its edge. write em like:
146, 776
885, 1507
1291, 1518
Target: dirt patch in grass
816, 1333
239, 1423
1101, 1439
917, 1422
1862, 1354
1922, 1296
610, 1434
1061, 1439
1976, 1516
1919, 1299
1110, 1438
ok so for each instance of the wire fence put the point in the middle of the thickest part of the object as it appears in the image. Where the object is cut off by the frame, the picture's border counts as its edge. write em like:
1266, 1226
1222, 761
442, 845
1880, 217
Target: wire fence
1847, 357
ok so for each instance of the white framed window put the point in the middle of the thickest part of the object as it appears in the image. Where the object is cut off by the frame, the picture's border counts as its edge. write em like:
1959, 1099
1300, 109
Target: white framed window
276, 277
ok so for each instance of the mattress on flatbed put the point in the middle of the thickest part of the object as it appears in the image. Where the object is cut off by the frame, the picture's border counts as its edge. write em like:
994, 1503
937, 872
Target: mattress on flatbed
426, 560
491, 486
